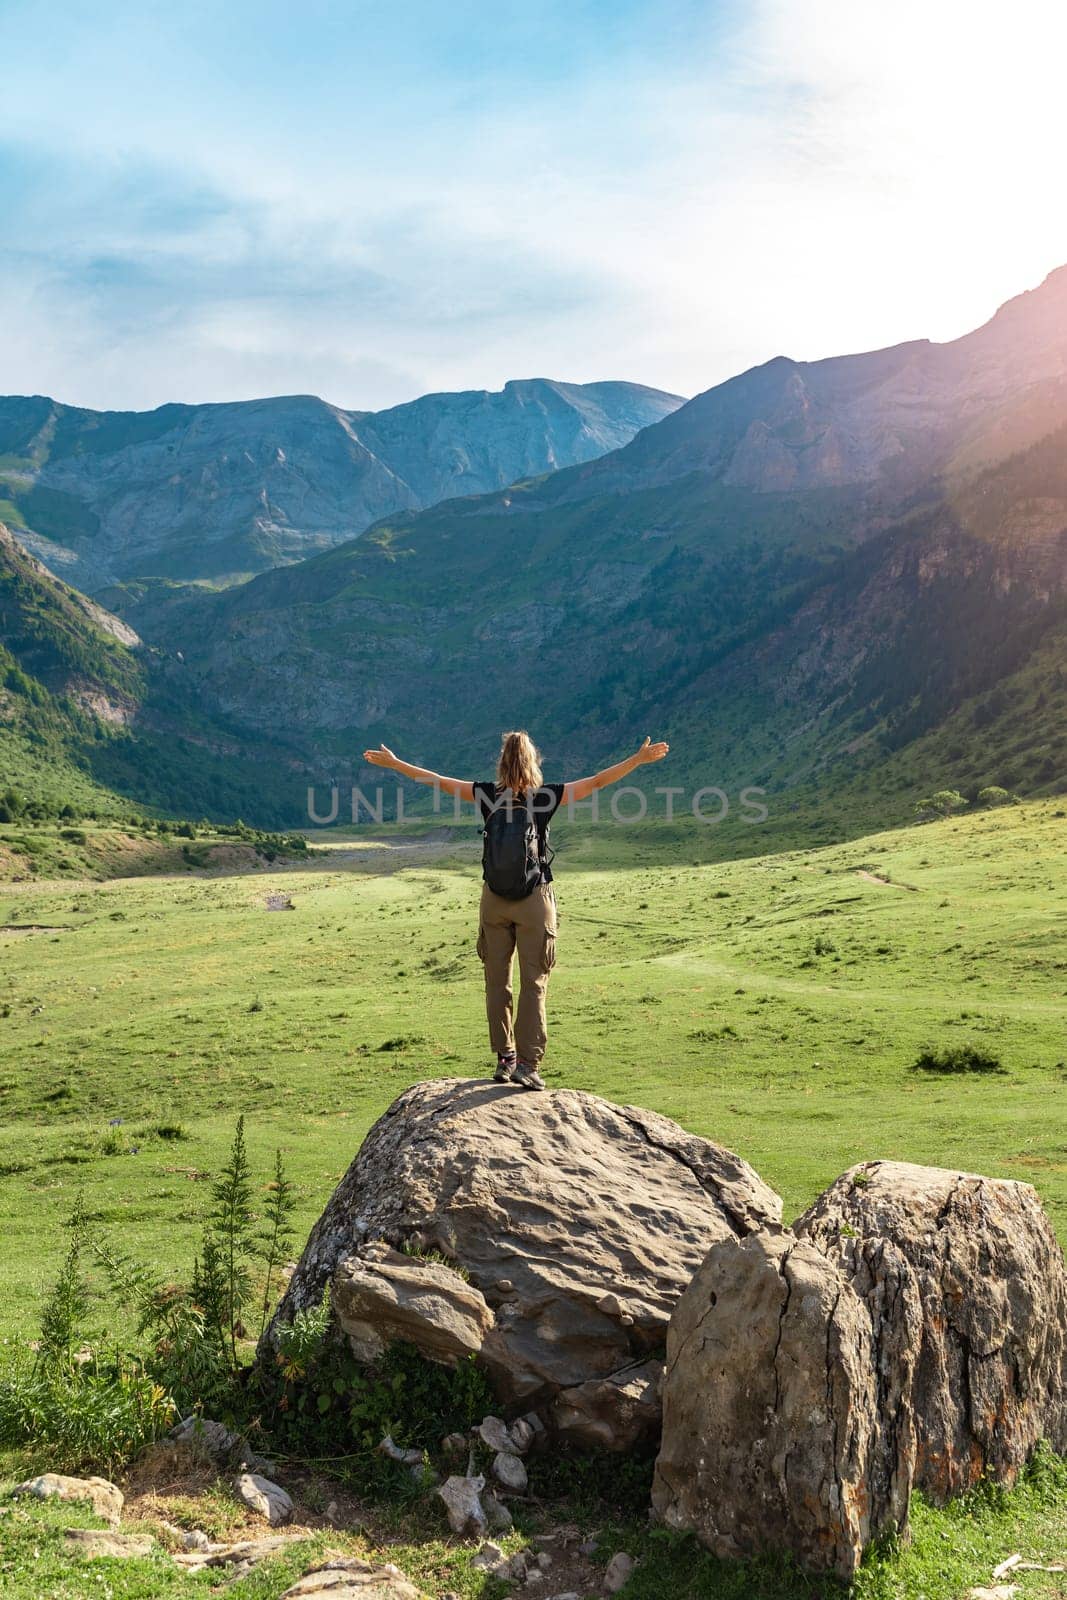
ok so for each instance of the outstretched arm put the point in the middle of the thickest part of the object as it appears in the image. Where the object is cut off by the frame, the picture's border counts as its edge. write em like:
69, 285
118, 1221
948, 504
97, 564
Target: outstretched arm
584, 787
384, 757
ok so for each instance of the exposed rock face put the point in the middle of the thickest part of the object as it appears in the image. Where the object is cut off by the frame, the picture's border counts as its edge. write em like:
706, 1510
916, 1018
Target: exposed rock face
219, 490
576, 1225
772, 1437
93, 1542
615, 1411
349, 1578
383, 1295
106, 1498
990, 1350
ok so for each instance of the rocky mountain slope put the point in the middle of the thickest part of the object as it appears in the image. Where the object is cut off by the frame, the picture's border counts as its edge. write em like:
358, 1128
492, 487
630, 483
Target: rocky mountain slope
800, 573
90, 717
216, 492
834, 580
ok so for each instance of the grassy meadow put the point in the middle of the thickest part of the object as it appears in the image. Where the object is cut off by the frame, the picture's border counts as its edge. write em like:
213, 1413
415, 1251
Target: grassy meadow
776, 1004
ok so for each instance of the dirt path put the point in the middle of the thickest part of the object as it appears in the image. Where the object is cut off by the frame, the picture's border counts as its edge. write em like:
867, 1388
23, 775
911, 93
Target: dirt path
886, 883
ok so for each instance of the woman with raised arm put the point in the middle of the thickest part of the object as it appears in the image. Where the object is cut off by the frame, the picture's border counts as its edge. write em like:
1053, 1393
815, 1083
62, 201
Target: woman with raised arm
518, 906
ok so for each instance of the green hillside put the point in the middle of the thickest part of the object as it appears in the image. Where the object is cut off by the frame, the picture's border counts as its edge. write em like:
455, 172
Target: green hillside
94, 723
753, 630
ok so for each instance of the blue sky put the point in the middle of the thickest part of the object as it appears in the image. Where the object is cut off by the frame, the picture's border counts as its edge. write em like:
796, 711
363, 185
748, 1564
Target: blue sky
369, 201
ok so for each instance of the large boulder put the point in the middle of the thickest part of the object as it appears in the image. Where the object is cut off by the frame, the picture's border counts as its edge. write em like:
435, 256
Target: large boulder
773, 1438
989, 1350
550, 1234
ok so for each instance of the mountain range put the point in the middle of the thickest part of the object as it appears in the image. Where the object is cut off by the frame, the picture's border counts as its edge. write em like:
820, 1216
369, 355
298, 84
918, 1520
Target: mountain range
219, 492
844, 581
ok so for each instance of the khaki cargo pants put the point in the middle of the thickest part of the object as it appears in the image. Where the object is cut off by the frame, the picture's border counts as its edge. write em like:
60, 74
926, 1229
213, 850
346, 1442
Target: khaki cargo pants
530, 926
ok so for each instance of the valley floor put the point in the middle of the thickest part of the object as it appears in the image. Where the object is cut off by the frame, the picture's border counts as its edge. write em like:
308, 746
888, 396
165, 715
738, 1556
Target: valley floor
776, 1005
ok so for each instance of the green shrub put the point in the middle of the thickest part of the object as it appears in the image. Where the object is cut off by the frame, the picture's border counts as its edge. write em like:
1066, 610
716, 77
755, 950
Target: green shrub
957, 1058
995, 796
319, 1402
84, 1407
945, 803
98, 1413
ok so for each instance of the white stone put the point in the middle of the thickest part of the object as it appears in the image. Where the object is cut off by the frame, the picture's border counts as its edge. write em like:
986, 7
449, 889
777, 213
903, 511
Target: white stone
509, 1471
267, 1499
105, 1497
462, 1498
619, 1571
493, 1431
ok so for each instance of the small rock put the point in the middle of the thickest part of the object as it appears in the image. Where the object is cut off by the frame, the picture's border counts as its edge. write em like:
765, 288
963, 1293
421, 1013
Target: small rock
534, 1575
105, 1498
333, 1513
488, 1556
454, 1444
189, 1538
544, 1560
264, 1497
494, 1432
570, 1594
497, 1514
996, 1591
588, 1547
521, 1435
98, 1542
395, 1452
610, 1305
509, 1471
461, 1496
619, 1571
241, 1556
348, 1578
504, 1285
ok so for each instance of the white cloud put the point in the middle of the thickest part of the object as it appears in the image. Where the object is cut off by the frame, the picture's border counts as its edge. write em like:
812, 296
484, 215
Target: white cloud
683, 192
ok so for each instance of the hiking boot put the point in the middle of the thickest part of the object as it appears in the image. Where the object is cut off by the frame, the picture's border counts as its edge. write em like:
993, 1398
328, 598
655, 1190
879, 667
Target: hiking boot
505, 1068
527, 1077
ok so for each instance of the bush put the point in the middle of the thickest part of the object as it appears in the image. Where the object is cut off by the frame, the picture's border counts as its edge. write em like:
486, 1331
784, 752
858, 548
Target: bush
94, 1414
996, 796
88, 1409
319, 1401
957, 1058
92, 1405
945, 803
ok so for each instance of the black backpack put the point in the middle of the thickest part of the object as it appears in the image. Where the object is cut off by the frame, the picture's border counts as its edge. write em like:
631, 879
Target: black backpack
511, 849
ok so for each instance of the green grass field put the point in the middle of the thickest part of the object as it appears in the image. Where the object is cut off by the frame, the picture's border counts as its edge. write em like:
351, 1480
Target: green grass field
774, 1004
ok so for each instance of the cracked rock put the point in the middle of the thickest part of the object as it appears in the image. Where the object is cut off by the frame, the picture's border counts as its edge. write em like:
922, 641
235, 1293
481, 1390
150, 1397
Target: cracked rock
567, 1196
989, 1345
772, 1438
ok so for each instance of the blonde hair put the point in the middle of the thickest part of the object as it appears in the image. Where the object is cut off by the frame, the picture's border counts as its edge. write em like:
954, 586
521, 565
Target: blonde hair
519, 766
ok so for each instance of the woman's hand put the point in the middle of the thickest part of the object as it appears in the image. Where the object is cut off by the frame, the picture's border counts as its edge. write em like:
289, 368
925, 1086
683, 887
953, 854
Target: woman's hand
384, 757
653, 752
